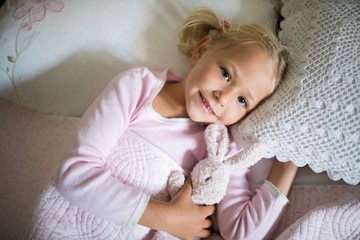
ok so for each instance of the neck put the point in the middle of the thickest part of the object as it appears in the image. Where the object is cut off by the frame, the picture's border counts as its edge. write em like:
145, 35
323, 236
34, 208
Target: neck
170, 102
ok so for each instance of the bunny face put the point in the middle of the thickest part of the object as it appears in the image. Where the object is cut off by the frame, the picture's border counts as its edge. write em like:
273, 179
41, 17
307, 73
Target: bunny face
209, 180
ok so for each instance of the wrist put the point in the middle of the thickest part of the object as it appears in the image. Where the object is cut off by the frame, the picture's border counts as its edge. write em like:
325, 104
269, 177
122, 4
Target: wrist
282, 175
156, 215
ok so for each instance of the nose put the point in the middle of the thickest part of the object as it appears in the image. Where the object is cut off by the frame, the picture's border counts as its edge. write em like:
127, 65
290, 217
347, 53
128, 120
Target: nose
223, 97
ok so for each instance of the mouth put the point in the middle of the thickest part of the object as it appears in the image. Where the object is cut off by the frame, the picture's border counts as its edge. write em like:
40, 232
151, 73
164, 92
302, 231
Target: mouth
207, 107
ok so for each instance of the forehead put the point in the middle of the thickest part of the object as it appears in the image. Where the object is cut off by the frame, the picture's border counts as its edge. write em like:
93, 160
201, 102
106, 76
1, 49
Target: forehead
238, 51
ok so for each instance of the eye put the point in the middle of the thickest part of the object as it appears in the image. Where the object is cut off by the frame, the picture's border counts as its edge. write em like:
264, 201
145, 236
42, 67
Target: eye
242, 101
225, 74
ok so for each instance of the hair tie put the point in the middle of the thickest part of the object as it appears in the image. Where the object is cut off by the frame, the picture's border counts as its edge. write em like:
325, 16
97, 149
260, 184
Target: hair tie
224, 24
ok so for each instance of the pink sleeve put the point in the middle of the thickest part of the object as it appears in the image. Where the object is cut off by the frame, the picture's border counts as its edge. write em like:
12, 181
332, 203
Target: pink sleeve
244, 214
82, 178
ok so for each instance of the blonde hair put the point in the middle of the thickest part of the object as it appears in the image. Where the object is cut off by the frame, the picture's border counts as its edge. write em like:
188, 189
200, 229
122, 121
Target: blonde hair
204, 21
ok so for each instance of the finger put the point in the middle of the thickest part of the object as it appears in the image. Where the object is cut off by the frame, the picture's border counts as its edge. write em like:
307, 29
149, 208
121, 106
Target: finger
208, 223
209, 210
188, 182
188, 238
205, 233
187, 187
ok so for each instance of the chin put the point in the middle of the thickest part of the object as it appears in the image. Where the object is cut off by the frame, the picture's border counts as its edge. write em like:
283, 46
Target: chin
199, 119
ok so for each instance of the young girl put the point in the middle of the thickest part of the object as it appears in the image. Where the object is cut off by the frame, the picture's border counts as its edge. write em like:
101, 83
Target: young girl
235, 67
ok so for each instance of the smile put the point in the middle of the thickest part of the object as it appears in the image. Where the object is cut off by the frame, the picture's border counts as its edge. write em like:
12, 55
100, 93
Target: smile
207, 105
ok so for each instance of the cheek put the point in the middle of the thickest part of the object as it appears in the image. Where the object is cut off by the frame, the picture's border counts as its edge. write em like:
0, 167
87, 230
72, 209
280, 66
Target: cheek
233, 115
191, 81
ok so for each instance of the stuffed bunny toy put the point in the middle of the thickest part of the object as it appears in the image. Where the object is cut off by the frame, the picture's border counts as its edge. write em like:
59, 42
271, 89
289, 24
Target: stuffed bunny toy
210, 176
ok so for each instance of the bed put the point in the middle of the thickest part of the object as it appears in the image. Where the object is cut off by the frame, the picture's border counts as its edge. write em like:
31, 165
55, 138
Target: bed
57, 56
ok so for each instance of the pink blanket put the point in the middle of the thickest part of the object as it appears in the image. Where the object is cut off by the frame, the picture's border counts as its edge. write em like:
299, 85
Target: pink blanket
57, 218
335, 220
311, 207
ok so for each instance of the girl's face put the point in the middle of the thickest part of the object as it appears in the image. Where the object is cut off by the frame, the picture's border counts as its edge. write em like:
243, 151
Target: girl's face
225, 84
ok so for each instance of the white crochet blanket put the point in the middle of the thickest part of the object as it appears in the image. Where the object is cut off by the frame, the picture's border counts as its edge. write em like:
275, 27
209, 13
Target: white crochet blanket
135, 162
314, 116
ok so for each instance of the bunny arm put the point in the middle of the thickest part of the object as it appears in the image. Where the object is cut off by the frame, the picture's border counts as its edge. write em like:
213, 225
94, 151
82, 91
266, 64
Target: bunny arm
175, 182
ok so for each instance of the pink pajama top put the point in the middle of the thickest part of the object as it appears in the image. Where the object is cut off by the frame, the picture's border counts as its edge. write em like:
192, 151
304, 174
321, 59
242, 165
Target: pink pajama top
126, 105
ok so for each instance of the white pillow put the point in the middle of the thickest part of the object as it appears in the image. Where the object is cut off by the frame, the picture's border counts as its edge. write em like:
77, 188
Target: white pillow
68, 57
313, 118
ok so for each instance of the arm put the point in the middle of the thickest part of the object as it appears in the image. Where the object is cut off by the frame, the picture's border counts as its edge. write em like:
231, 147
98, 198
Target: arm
244, 214
83, 178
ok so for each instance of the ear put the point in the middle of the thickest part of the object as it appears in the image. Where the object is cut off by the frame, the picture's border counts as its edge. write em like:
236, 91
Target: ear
217, 141
200, 49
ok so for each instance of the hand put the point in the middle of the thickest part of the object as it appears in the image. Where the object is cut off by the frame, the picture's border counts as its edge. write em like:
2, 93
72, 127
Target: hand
282, 175
189, 220
180, 217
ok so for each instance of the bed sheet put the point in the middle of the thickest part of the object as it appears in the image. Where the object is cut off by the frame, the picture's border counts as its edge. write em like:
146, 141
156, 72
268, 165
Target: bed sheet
32, 145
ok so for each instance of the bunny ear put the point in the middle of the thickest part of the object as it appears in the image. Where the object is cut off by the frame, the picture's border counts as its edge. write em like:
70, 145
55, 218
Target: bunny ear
217, 141
249, 156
